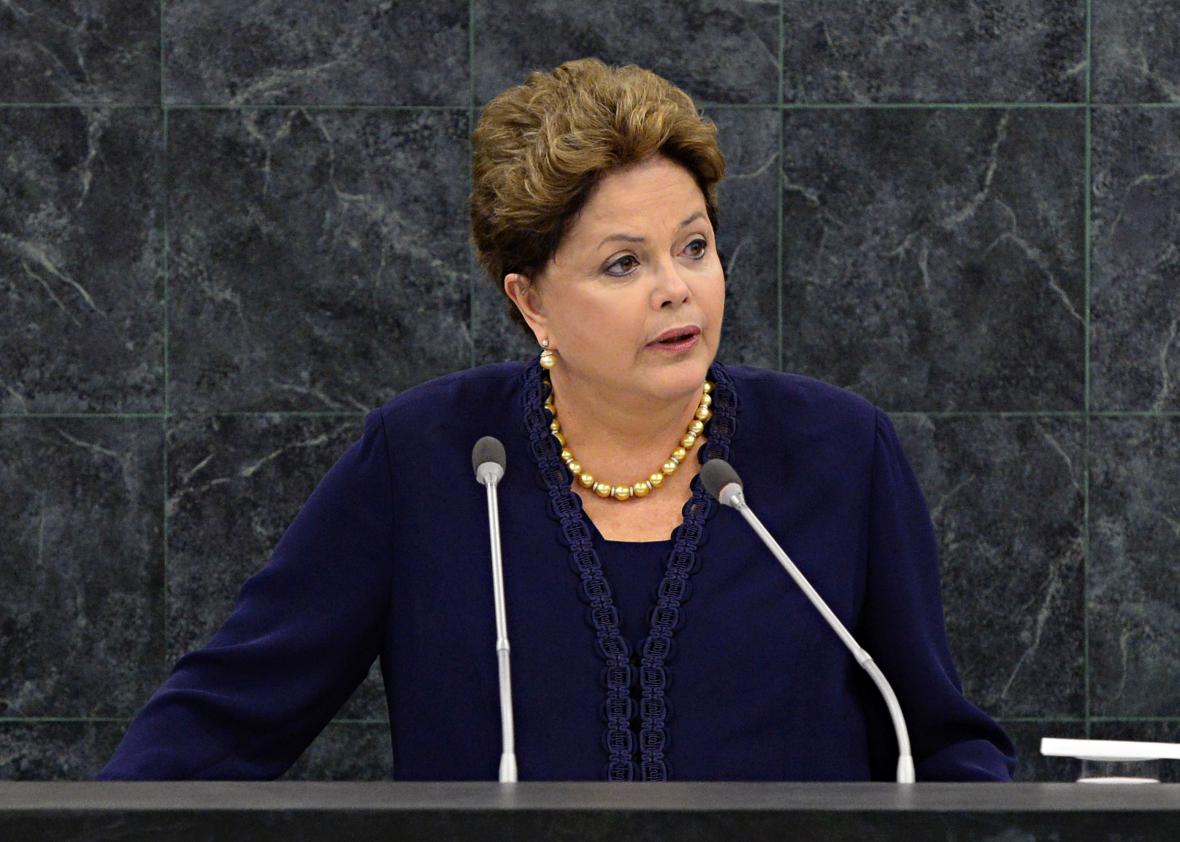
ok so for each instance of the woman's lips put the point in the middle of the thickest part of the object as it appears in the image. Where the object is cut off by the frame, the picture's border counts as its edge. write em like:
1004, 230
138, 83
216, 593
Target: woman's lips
677, 347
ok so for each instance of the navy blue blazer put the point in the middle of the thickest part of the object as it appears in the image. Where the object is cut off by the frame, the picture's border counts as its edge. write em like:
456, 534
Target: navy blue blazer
693, 658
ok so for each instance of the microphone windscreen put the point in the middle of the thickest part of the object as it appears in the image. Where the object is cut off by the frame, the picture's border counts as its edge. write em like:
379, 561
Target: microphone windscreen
488, 449
716, 474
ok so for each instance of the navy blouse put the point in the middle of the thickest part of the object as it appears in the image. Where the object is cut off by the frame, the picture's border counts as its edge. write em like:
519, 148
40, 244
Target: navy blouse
693, 658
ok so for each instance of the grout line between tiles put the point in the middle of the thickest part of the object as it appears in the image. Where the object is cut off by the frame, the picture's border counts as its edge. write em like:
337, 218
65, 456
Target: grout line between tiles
163, 194
471, 262
1086, 187
880, 106
14, 416
789, 106
780, 116
25, 720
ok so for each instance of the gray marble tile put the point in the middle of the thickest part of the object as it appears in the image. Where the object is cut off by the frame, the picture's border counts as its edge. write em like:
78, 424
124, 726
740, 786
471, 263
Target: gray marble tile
720, 51
747, 244
1006, 503
1135, 278
748, 240
56, 751
101, 51
81, 241
349, 52
1134, 51
317, 260
82, 565
235, 485
496, 337
346, 751
933, 51
1031, 765
1159, 731
933, 259
1134, 580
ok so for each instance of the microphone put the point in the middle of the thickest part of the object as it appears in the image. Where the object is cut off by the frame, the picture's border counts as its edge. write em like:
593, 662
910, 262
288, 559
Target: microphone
489, 461
722, 481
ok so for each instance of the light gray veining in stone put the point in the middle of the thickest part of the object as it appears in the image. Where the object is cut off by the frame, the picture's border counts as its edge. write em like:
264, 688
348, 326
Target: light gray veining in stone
1135, 53
82, 564
81, 241
1135, 311
246, 477
719, 51
348, 52
1134, 577
933, 259
934, 51
80, 51
1011, 571
317, 259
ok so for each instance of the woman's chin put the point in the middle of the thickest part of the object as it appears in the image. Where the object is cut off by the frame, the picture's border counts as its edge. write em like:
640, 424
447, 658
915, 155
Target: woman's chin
679, 378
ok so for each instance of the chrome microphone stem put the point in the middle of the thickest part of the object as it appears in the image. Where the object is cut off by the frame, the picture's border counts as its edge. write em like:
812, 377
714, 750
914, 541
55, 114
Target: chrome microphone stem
507, 728
731, 495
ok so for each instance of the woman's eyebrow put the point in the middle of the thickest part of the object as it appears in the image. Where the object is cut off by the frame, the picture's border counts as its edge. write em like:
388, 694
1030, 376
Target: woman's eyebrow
629, 238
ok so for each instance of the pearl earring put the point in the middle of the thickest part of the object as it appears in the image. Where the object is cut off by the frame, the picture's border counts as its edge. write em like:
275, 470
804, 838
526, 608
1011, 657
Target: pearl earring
548, 358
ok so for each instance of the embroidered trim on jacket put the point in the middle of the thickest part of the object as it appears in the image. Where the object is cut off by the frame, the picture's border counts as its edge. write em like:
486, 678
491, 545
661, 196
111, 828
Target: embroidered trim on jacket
674, 590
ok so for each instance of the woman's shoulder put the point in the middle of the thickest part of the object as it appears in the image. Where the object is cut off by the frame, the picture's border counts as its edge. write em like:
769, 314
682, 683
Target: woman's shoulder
479, 387
789, 424
798, 397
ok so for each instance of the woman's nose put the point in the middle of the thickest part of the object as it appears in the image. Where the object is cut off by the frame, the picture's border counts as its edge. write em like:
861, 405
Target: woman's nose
671, 287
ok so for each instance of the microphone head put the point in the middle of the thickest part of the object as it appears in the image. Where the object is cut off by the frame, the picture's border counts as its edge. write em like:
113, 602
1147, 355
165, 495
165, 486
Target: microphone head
488, 449
716, 474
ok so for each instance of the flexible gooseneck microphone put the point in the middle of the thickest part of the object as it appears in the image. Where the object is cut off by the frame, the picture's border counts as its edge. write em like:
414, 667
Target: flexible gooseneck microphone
722, 481
489, 461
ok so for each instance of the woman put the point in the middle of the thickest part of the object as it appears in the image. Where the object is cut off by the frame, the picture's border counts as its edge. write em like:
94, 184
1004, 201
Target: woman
653, 637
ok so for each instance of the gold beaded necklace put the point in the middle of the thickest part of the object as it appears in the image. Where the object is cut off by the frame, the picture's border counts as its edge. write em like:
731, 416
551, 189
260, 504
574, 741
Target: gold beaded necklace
645, 486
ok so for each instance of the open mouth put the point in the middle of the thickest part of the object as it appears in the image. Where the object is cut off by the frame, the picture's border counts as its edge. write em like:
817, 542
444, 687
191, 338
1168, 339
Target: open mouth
686, 339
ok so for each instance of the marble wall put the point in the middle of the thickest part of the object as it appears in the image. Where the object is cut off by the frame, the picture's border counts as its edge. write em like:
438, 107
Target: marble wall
227, 232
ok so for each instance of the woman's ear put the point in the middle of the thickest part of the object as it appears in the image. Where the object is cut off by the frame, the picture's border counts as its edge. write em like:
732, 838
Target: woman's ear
527, 298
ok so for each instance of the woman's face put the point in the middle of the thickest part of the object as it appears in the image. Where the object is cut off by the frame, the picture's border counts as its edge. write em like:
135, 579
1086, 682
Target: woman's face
639, 258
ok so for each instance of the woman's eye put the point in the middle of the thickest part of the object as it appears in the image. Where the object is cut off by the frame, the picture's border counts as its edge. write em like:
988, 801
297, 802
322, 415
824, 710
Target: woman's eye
700, 242
618, 262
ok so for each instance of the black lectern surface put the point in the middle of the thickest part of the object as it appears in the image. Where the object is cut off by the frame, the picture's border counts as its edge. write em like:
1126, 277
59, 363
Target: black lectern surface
683, 811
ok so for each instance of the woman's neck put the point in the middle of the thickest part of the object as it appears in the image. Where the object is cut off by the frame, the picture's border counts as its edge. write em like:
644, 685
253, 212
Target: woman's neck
615, 436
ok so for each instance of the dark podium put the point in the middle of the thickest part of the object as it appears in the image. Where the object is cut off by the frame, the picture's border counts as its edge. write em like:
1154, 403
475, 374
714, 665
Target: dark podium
357, 812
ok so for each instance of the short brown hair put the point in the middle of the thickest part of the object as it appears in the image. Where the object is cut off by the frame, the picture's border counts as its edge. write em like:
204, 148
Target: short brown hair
540, 148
